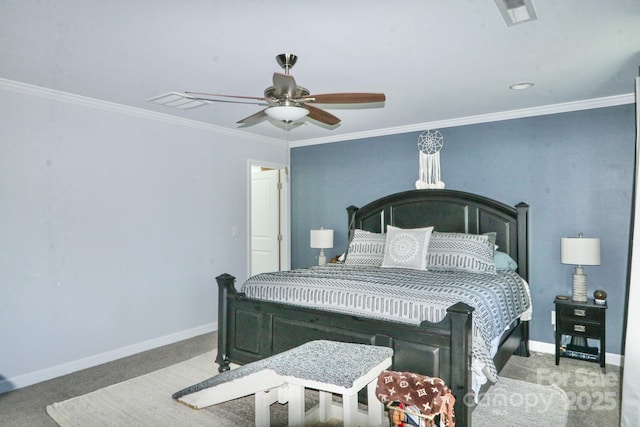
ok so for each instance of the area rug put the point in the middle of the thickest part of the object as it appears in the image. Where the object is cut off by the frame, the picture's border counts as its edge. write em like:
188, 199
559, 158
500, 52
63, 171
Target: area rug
511, 402
146, 401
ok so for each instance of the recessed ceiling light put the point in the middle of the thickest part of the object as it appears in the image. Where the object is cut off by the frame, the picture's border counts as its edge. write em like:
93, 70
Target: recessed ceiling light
521, 86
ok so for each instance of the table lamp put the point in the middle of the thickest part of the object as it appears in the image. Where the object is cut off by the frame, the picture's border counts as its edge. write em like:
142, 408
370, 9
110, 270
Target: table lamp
322, 239
580, 251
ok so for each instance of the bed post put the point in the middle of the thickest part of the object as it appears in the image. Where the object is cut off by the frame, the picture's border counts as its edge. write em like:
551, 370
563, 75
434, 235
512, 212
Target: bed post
351, 213
523, 267
523, 240
225, 285
461, 341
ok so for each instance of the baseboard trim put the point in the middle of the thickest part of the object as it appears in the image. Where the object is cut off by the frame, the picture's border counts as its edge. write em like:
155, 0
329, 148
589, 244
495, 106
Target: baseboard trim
548, 348
25, 380
31, 378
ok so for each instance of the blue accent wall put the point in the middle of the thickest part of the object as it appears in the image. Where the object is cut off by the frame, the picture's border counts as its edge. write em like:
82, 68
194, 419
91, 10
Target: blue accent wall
574, 169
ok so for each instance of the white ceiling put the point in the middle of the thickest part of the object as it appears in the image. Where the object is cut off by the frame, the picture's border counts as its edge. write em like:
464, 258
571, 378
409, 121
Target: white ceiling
434, 59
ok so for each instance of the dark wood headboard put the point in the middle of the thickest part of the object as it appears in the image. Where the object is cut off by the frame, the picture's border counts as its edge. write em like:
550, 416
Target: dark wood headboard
452, 211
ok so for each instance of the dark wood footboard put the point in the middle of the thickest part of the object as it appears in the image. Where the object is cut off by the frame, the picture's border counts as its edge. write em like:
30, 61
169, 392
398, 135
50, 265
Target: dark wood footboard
250, 330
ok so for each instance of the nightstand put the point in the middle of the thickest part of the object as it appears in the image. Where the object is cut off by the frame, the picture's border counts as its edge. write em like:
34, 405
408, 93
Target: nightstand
580, 320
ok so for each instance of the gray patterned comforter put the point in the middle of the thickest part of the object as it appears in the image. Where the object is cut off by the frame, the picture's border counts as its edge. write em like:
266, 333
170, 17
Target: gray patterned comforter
403, 295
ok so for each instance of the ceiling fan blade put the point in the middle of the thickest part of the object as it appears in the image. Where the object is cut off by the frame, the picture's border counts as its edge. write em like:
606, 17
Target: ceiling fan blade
346, 98
284, 84
321, 115
259, 98
229, 101
254, 118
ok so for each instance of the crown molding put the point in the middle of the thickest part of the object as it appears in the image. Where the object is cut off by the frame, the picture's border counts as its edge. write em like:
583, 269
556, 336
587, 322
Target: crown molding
609, 101
57, 95
42, 92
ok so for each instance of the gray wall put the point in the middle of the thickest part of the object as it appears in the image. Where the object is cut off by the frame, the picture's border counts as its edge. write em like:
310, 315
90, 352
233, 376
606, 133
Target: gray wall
113, 225
574, 169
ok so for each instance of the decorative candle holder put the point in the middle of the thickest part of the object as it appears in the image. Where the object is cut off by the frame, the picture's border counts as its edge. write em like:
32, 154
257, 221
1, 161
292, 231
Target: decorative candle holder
600, 297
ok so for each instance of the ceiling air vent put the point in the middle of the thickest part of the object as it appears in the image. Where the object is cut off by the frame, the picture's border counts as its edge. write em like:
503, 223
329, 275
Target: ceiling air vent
516, 11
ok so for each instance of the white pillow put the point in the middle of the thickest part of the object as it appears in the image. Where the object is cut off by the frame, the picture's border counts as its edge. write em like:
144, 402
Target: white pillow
406, 248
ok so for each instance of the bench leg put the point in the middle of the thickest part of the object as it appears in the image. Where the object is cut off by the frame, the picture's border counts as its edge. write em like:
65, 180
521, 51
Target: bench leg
325, 403
296, 405
375, 407
263, 402
350, 409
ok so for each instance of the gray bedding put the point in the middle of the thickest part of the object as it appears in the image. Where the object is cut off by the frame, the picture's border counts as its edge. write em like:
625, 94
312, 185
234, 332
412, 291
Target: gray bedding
404, 295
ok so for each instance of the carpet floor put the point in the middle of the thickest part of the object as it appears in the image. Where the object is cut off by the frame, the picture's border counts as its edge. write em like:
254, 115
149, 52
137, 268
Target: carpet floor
146, 401
594, 397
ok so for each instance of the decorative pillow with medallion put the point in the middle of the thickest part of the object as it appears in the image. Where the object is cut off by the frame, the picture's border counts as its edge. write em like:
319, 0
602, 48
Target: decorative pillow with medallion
406, 247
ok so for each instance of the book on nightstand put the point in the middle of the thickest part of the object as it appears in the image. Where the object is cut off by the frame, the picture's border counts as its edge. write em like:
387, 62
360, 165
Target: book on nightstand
581, 352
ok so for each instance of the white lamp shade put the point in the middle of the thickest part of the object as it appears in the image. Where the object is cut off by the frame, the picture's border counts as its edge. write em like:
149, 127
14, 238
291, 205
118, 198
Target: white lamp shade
322, 239
286, 113
580, 251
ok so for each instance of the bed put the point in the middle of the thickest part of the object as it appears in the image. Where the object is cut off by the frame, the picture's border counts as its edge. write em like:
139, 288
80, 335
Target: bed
251, 328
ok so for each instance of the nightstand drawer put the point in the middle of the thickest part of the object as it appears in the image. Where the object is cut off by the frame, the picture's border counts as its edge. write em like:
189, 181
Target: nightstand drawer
580, 314
581, 328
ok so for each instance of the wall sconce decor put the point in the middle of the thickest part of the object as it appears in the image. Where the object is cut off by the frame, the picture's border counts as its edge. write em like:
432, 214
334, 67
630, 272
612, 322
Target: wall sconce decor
429, 145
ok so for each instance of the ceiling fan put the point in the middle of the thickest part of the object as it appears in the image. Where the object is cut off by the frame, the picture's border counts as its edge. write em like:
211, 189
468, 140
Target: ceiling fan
288, 102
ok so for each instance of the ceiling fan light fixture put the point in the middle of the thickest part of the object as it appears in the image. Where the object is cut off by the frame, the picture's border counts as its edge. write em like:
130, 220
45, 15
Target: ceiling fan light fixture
286, 113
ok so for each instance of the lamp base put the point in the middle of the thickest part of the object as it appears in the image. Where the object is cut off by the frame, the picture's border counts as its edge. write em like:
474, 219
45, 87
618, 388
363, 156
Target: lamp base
579, 342
322, 259
579, 285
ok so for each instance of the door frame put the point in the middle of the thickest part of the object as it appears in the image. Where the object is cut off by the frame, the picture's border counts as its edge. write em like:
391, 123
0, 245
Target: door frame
285, 211
630, 390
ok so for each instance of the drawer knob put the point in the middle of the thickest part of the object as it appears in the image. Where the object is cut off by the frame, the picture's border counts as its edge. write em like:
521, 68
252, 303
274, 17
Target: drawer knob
579, 312
579, 328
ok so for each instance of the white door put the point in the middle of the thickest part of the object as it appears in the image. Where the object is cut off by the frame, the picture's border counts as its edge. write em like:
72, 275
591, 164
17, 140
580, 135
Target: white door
265, 220
630, 413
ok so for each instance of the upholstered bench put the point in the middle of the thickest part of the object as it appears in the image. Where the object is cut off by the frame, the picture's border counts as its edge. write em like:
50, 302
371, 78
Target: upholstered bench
327, 366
